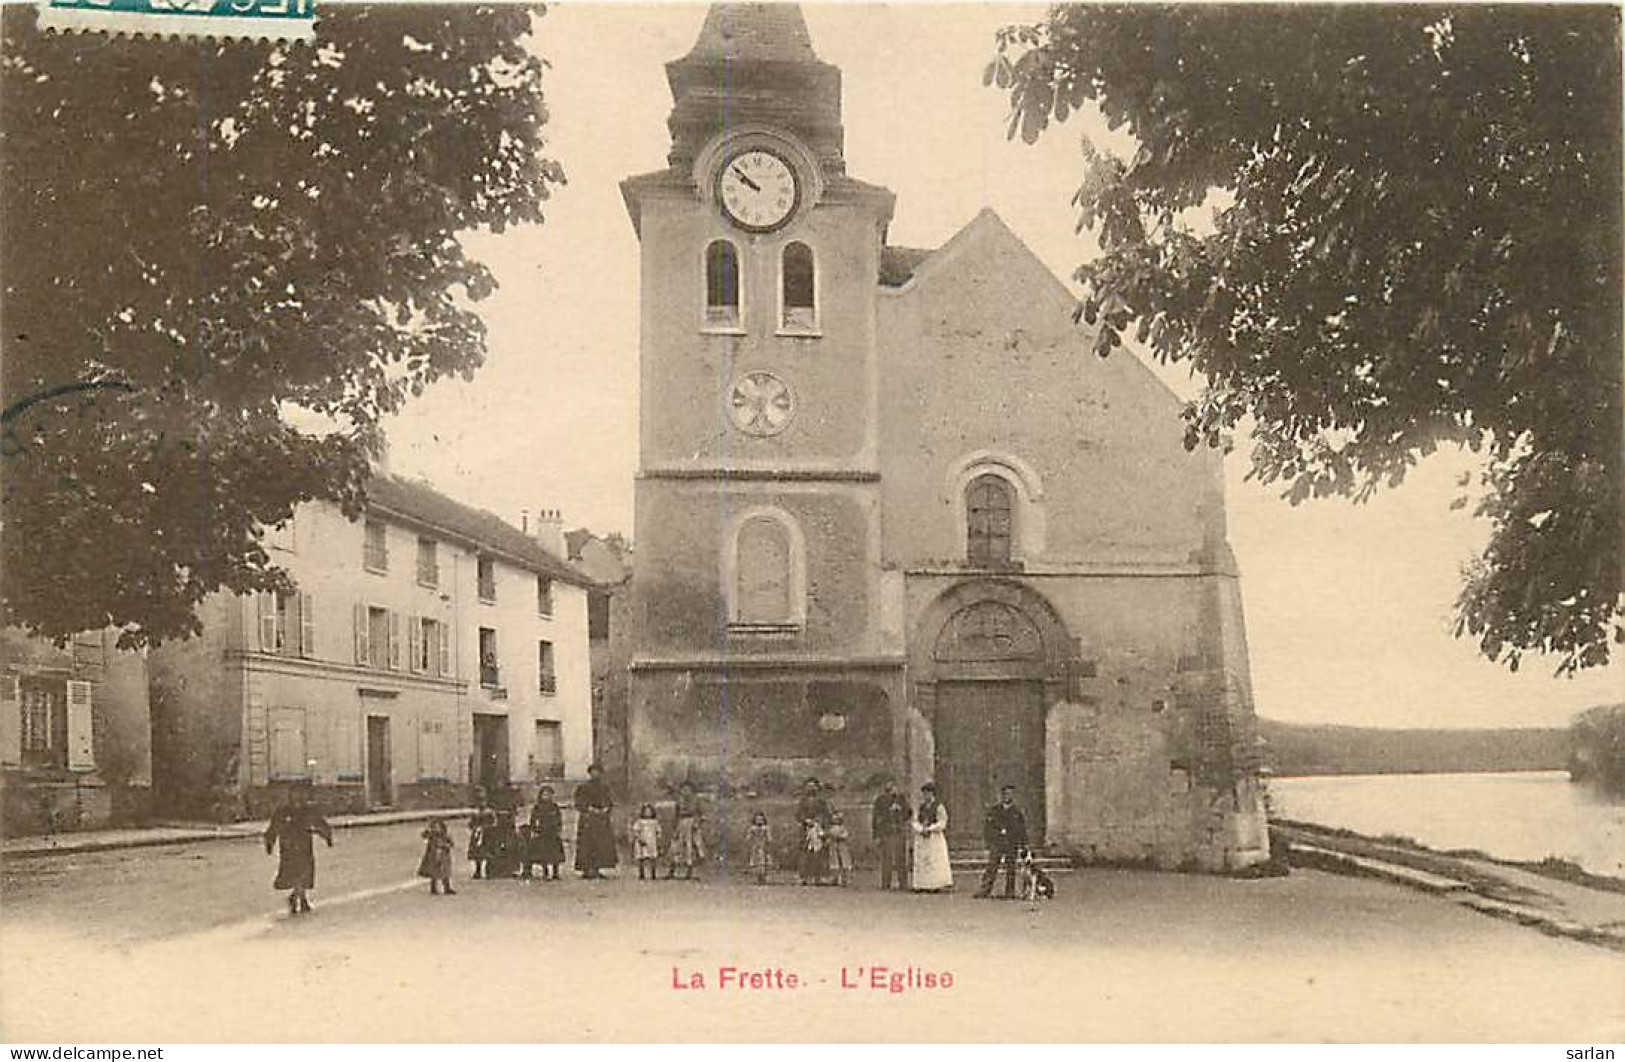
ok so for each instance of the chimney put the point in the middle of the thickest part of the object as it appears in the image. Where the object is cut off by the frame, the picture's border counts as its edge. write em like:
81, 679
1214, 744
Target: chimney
548, 530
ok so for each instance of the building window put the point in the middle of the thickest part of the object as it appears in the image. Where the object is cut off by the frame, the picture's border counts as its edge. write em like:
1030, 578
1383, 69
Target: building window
548, 680
799, 290
428, 562
989, 503
375, 550
429, 648
44, 724
722, 286
544, 596
286, 735
287, 624
549, 752
377, 637
486, 569
762, 573
490, 674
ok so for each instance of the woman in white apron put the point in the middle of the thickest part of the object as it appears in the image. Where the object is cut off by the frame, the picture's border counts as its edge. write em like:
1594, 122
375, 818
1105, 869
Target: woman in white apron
931, 870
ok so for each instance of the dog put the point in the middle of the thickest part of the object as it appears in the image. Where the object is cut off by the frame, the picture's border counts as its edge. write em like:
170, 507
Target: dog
1035, 884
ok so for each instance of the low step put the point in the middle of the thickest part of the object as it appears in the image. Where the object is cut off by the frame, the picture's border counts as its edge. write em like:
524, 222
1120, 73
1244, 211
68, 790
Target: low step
1395, 872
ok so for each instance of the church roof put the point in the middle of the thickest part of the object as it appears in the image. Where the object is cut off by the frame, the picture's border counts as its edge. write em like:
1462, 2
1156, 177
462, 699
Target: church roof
774, 32
897, 264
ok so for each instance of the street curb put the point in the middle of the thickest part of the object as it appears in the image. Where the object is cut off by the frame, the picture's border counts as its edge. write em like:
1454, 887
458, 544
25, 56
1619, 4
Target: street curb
240, 831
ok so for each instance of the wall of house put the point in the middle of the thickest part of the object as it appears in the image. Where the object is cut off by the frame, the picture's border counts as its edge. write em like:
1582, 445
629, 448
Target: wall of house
197, 717
520, 627
110, 786
241, 717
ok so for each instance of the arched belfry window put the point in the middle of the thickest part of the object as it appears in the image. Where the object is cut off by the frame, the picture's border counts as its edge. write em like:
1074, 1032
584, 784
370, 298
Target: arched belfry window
799, 294
989, 520
765, 572
722, 285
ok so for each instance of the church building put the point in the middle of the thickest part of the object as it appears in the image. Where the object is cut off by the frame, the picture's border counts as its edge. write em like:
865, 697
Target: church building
894, 518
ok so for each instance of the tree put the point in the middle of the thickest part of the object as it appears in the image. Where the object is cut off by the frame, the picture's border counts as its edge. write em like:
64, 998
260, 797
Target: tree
206, 237
1414, 240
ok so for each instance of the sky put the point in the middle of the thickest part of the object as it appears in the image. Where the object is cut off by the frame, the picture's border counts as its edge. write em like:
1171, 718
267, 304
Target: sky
1349, 607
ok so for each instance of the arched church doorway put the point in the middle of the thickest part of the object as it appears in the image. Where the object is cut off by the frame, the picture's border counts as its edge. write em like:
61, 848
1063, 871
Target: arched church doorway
993, 657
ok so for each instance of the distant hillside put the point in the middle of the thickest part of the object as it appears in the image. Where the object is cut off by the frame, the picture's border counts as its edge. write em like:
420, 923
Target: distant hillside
1297, 749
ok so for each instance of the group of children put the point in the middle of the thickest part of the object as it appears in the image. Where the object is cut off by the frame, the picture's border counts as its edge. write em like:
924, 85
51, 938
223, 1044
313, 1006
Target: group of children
497, 846
825, 851
499, 850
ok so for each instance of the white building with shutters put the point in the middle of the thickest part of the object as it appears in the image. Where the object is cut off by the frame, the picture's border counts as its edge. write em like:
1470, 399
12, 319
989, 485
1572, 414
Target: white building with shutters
427, 650
75, 749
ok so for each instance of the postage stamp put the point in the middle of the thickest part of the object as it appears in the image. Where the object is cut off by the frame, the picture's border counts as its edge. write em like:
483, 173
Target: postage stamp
268, 19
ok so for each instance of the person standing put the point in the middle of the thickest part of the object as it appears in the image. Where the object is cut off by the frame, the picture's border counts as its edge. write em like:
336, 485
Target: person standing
289, 833
932, 872
595, 835
890, 829
812, 813
687, 844
1005, 831
545, 844
436, 862
646, 841
759, 847
480, 825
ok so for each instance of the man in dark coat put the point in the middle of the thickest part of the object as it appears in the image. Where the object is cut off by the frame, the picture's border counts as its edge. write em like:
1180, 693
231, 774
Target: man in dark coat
890, 829
595, 837
289, 832
1005, 831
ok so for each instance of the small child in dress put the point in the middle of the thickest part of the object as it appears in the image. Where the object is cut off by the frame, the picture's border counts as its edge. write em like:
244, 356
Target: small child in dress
759, 844
839, 839
646, 841
436, 862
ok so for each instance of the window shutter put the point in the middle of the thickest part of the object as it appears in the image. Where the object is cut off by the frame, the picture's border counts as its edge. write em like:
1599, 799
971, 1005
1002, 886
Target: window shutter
414, 642
267, 603
443, 663
394, 641
81, 738
307, 625
11, 722
362, 649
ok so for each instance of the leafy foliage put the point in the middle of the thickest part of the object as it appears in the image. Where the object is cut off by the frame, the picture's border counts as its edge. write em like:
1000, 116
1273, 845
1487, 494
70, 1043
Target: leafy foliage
1597, 746
205, 237
1414, 241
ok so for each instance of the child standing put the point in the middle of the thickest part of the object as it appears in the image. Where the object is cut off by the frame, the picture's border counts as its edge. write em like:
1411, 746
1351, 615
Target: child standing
840, 848
436, 862
814, 853
646, 841
759, 846
546, 845
480, 825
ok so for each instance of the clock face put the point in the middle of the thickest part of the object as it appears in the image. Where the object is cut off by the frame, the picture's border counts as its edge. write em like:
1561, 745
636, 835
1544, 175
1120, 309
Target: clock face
758, 190
760, 404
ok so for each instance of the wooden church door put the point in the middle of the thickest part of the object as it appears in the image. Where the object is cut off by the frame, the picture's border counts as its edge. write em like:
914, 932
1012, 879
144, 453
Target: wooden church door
989, 735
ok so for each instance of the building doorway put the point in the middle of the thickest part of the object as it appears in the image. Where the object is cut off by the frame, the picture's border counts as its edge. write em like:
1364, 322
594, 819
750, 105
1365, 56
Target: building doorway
491, 753
989, 735
380, 769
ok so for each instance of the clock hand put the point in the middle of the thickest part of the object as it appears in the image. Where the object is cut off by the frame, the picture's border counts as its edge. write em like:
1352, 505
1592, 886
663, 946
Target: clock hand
752, 185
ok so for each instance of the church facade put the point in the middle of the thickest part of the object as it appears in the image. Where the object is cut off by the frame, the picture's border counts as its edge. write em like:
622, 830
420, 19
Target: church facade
894, 520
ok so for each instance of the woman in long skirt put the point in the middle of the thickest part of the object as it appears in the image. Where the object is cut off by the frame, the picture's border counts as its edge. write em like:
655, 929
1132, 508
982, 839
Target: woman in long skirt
932, 872
595, 836
289, 833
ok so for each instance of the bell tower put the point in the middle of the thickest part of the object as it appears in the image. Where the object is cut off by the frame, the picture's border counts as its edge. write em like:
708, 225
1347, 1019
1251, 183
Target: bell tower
757, 499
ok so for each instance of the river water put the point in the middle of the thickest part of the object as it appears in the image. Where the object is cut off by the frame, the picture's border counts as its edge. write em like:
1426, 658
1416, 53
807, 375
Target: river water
1527, 815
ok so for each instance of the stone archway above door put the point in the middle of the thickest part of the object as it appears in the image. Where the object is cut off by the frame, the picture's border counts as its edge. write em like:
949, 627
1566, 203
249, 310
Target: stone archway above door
986, 660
